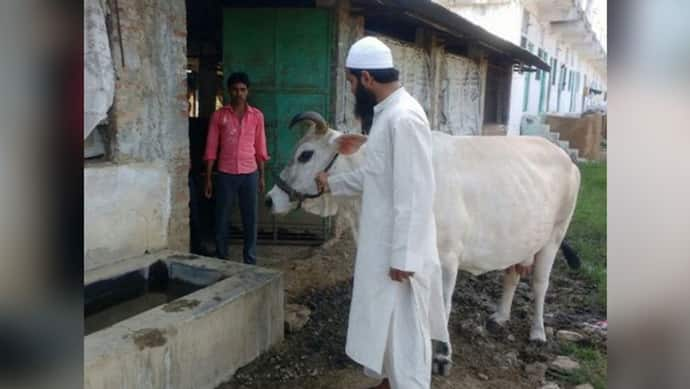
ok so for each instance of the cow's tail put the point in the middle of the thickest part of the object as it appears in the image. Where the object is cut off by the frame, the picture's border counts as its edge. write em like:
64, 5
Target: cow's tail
570, 255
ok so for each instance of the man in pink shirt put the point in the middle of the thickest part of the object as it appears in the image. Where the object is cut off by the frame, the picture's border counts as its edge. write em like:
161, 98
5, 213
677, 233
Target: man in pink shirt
236, 144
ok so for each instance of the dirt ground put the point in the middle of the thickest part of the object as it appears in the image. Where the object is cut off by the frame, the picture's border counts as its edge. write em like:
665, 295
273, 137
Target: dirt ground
320, 278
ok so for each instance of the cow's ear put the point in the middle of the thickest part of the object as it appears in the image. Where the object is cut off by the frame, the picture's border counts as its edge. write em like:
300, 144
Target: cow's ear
349, 143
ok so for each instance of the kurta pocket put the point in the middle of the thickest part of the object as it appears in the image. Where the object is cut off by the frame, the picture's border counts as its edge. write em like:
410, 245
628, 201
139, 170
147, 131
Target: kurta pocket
376, 162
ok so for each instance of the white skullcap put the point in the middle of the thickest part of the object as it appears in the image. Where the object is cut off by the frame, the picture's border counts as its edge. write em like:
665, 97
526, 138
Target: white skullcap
369, 53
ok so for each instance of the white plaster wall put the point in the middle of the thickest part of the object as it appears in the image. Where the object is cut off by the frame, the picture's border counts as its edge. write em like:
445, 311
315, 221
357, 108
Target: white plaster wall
503, 19
126, 211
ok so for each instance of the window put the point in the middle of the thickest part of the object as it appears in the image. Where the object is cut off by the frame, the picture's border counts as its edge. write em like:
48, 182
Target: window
554, 71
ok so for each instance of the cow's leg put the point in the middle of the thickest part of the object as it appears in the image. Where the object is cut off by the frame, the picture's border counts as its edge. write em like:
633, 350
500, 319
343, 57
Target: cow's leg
545, 258
510, 281
443, 351
540, 283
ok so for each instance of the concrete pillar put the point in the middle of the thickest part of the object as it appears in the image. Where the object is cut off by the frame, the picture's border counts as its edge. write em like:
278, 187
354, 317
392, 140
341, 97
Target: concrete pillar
435, 48
150, 119
483, 74
480, 56
349, 30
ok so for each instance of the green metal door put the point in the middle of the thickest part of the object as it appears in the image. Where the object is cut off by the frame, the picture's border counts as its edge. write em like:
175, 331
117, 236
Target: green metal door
287, 54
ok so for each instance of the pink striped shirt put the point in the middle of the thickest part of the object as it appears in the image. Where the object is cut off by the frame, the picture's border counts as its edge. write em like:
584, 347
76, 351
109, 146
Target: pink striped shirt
237, 146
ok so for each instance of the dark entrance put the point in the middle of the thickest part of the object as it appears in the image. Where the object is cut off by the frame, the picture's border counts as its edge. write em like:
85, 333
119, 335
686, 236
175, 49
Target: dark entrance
287, 53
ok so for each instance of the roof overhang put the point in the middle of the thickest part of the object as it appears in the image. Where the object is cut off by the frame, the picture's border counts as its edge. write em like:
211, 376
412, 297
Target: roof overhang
453, 27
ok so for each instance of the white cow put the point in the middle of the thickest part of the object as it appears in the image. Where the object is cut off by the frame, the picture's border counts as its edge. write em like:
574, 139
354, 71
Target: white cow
500, 201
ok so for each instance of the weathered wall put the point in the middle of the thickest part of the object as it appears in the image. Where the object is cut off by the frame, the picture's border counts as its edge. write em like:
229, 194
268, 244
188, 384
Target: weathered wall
150, 109
415, 69
448, 87
126, 211
461, 96
139, 200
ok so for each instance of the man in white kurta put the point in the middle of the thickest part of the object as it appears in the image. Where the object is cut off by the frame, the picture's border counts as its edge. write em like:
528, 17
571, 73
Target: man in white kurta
397, 304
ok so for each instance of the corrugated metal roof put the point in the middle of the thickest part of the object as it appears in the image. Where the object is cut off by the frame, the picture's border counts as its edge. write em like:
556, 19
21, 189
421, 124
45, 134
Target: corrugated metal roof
437, 17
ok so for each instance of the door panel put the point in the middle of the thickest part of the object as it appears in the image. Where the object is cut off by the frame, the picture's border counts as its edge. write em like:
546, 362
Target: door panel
288, 55
249, 45
303, 54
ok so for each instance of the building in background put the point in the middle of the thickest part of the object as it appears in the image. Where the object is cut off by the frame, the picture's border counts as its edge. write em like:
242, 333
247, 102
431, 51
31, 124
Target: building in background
570, 35
157, 71
166, 63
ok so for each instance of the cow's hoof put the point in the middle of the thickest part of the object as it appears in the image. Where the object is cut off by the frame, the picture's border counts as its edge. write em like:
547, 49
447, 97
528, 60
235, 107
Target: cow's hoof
495, 326
441, 367
537, 336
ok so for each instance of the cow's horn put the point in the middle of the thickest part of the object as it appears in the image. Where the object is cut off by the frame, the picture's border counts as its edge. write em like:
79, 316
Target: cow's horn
314, 117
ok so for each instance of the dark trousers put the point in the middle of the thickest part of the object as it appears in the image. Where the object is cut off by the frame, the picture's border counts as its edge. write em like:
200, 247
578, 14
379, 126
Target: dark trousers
245, 187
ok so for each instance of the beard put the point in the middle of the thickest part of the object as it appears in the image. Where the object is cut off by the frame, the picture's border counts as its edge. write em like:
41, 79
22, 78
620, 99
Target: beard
364, 107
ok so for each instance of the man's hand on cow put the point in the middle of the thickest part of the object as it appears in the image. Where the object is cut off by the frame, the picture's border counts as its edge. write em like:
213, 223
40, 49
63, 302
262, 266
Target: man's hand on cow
322, 182
400, 275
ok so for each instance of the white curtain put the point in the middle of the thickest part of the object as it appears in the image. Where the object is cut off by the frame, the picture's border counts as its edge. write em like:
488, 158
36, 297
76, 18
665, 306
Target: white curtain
99, 74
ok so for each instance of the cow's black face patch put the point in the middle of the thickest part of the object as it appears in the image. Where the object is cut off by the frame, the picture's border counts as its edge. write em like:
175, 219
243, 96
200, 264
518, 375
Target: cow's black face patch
305, 156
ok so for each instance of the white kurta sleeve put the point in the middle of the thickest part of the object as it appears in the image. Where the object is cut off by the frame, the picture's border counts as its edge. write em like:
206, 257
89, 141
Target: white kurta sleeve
347, 184
413, 190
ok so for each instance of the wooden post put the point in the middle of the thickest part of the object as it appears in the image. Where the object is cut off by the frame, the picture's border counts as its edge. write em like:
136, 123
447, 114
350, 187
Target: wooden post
436, 51
480, 55
483, 74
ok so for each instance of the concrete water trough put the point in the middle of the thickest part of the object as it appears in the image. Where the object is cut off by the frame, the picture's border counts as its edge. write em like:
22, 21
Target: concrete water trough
172, 320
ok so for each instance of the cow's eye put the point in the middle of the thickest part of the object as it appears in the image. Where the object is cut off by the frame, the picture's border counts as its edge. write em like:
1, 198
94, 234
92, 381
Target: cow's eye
305, 156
